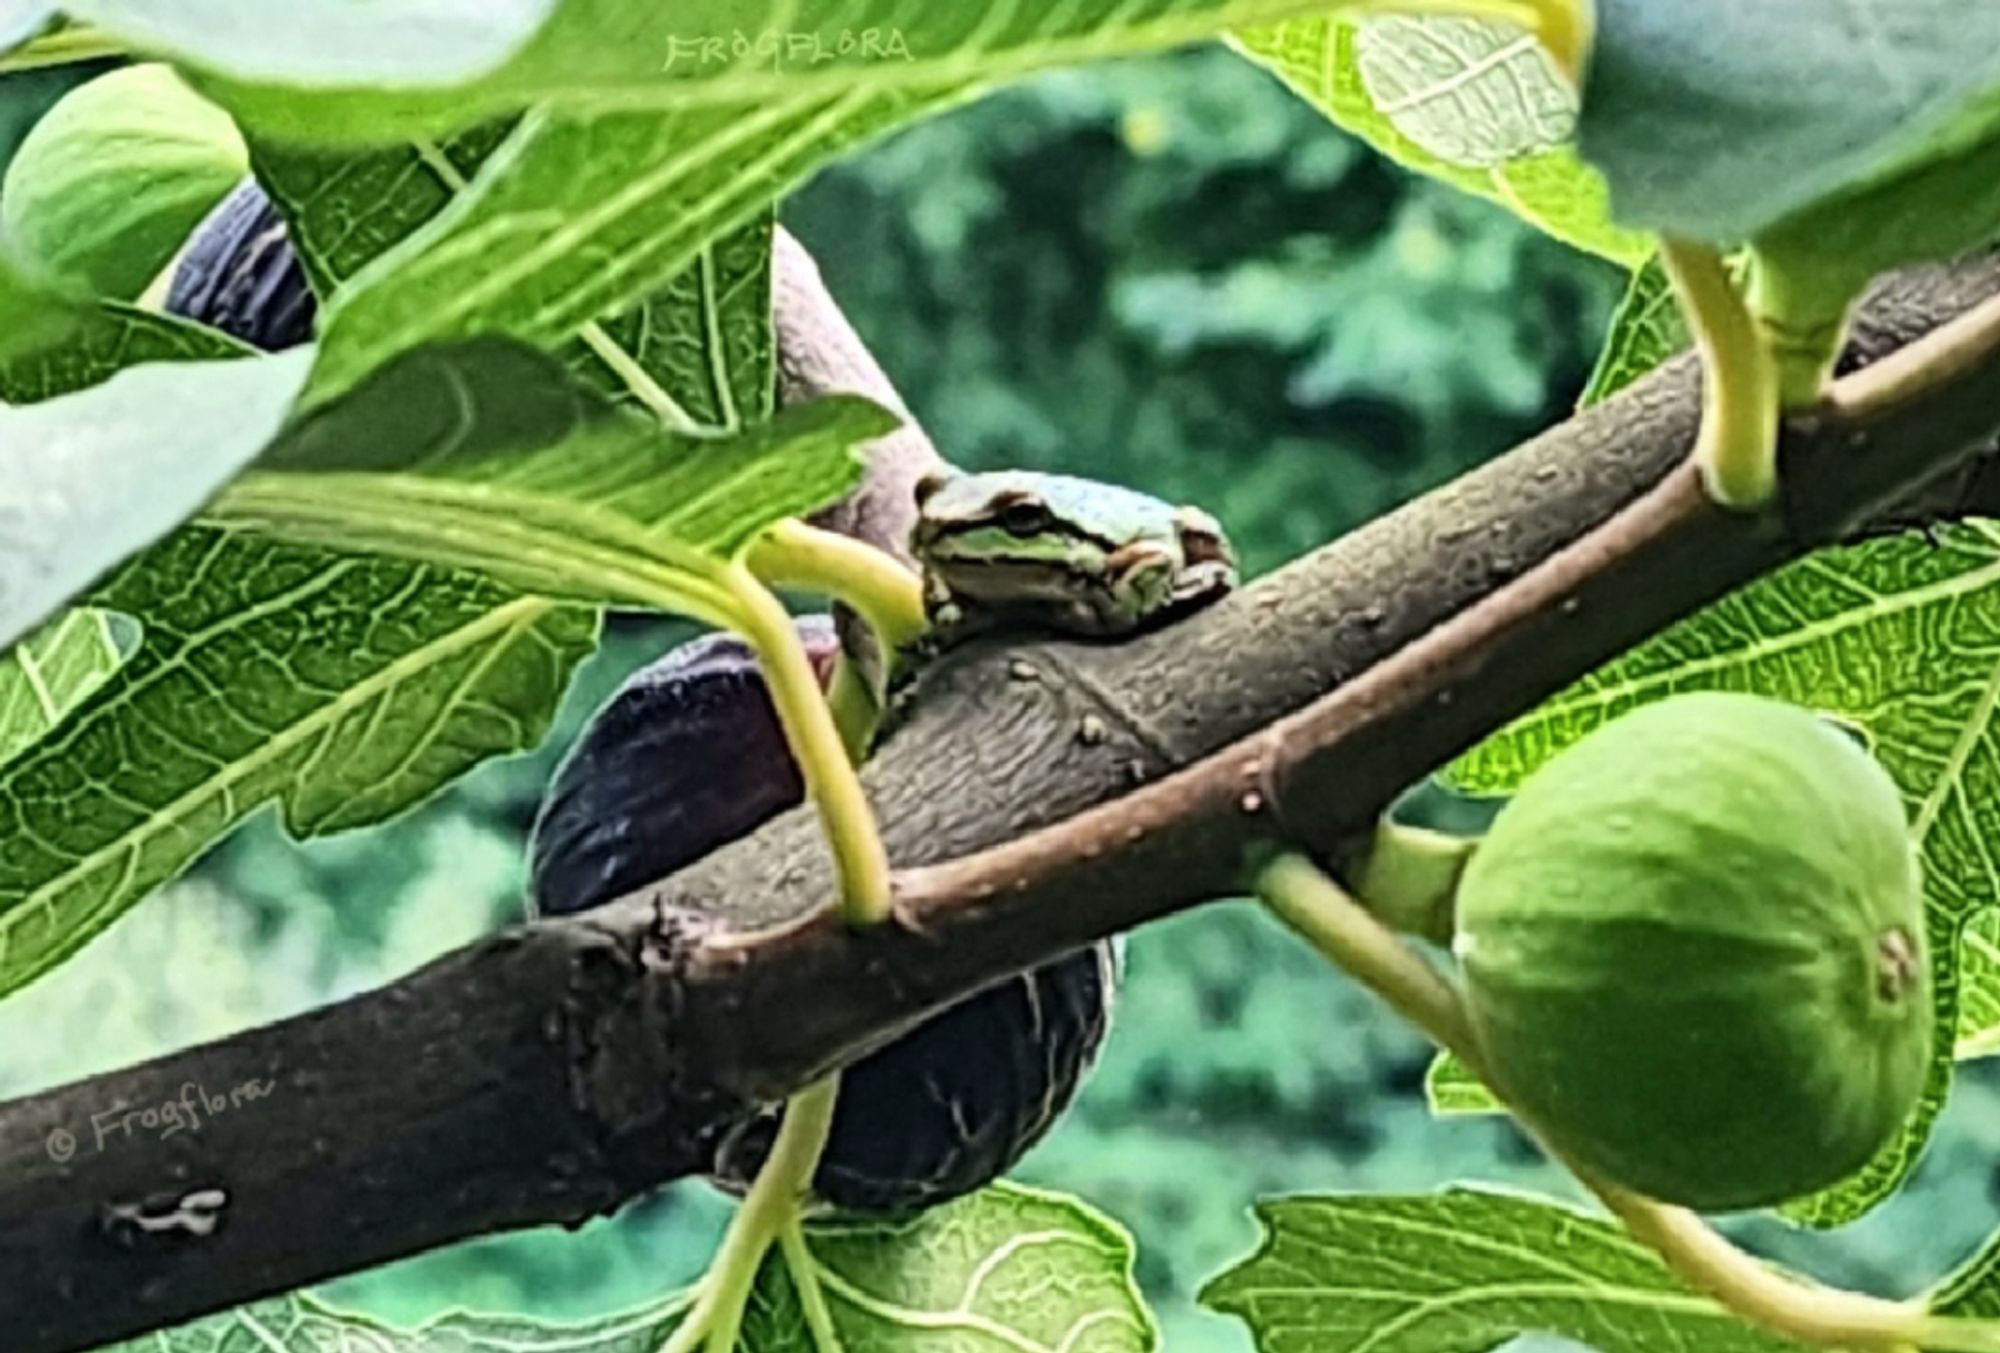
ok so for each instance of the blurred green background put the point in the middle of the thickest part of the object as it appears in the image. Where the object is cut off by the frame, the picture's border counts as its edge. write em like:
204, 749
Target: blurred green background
1168, 273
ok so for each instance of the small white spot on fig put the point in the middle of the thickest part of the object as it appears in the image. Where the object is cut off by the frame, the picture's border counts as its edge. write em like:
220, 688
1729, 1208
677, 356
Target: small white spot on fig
1896, 970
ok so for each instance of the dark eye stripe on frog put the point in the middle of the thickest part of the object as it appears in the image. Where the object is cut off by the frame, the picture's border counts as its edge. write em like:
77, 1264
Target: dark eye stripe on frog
932, 534
1021, 513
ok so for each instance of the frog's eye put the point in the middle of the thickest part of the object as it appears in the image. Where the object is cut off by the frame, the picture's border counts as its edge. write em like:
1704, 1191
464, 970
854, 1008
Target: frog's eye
1022, 514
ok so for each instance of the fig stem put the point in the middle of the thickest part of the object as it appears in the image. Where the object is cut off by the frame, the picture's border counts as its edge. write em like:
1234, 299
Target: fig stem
1737, 447
805, 1278
875, 583
856, 708
831, 783
769, 1210
1327, 917
1804, 323
1410, 878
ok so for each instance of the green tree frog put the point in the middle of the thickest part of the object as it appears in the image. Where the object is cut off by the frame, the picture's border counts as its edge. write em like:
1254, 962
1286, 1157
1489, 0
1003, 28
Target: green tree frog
1025, 549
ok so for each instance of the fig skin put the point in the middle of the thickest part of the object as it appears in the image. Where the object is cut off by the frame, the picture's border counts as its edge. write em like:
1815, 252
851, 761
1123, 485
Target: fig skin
688, 755
240, 274
105, 188
1693, 947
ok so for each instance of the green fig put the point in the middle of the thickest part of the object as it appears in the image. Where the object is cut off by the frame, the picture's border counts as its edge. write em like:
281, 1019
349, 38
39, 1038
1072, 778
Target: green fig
107, 186
1694, 954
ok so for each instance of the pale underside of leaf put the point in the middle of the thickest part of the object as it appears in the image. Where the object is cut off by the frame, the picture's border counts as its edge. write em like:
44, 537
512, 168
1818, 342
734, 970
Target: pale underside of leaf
328, 42
1011, 1269
1521, 162
1471, 93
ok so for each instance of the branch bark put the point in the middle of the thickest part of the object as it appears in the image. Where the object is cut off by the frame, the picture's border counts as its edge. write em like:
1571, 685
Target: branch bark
1036, 797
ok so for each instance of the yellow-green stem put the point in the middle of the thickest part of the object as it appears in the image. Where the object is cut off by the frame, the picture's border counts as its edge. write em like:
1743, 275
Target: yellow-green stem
856, 709
831, 784
771, 1205
1409, 878
812, 1296
1737, 449
876, 584
1325, 916
1802, 315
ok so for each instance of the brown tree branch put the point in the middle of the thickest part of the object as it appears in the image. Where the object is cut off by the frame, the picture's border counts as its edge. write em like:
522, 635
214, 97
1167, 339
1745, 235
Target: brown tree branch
551, 1072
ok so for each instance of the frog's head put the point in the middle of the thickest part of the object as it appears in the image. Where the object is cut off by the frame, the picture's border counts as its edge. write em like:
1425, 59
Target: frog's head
1073, 554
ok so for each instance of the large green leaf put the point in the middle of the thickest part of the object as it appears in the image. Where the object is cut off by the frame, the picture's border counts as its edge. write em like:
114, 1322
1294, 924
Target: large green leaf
1008, 1270
489, 455
345, 687
1461, 1271
97, 475
342, 689
1714, 119
597, 56
54, 670
477, 668
1898, 637
1469, 103
699, 338
1646, 330
1978, 1033
339, 687
104, 338
556, 230
327, 42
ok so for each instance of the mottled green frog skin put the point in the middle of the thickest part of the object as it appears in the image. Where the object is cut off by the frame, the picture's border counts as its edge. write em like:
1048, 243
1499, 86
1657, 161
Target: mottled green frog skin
1029, 550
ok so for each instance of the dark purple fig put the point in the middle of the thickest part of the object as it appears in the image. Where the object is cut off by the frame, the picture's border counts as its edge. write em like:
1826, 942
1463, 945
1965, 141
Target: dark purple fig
240, 274
687, 755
